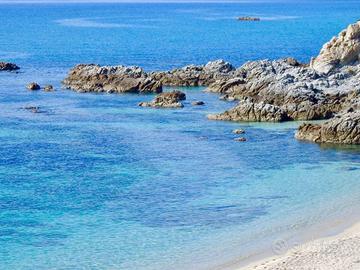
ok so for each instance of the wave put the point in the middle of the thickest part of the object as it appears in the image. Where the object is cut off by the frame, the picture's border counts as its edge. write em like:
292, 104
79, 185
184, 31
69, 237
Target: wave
14, 55
278, 18
91, 23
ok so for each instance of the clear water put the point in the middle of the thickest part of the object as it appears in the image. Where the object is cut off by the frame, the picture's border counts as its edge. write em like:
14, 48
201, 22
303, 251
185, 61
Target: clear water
95, 182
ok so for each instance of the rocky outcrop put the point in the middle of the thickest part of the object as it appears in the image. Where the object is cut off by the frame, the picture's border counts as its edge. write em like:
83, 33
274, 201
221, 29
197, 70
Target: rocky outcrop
166, 100
342, 129
116, 79
195, 75
339, 51
295, 88
4, 66
252, 112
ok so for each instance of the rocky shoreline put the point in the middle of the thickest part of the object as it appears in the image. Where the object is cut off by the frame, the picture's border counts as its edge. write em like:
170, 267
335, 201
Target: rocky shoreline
267, 90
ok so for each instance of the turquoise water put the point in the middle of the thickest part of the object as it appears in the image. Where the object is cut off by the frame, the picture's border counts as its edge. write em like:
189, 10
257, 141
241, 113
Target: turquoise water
96, 182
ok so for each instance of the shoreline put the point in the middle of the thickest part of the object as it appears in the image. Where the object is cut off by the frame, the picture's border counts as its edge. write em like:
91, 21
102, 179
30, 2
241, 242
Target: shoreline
334, 248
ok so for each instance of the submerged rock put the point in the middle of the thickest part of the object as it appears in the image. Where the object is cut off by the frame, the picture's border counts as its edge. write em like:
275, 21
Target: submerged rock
5, 66
48, 88
166, 100
342, 129
238, 131
195, 75
33, 109
240, 139
339, 51
111, 79
248, 19
33, 86
198, 103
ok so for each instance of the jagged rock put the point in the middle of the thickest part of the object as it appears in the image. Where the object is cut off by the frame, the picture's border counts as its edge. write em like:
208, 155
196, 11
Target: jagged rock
198, 103
195, 75
166, 100
33, 86
238, 131
252, 112
339, 51
48, 88
342, 129
4, 66
296, 88
116, 79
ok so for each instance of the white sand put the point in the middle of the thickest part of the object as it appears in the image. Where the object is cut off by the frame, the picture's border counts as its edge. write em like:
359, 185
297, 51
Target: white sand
340, 252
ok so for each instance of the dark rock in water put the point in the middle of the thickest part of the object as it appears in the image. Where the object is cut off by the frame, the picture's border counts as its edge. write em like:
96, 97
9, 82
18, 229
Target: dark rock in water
253, 19
33, 86
111, 79
252, 112
238, 131
342, 129
197, 103
4, 66
48, 88
166, 100
240, 139
195, 75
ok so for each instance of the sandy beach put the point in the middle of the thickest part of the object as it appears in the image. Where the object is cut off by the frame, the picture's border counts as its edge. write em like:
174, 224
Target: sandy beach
338, 252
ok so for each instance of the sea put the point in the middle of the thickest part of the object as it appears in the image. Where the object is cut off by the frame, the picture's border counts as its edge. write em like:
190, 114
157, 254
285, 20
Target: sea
96, 182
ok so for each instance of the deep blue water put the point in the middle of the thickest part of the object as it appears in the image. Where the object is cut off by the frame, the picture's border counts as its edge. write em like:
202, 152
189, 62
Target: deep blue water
96, 182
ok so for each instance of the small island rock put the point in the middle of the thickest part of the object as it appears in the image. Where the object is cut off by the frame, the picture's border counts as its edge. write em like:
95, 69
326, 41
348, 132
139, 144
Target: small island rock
166, 100
33, 86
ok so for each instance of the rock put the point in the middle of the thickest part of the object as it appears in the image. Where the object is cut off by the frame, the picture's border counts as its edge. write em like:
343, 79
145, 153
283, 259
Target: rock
111, 79
240, 139
248, 19
48, 88
33, 86
339, 51
166, 100
197, 103
4, 66
33, 109
252, 112
195, 75
342, 129
238, 131
295, 88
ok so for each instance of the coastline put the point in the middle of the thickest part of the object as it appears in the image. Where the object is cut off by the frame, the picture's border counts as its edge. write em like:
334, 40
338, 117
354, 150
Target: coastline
336, 249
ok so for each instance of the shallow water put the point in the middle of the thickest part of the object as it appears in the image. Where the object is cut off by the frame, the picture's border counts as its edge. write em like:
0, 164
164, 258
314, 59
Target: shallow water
95, 182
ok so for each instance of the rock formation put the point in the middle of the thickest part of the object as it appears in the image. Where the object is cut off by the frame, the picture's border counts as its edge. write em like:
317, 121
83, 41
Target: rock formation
195, 75
296, 89
117, 79
166, 100
252, 112
339, 51
4, 66
344, 129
